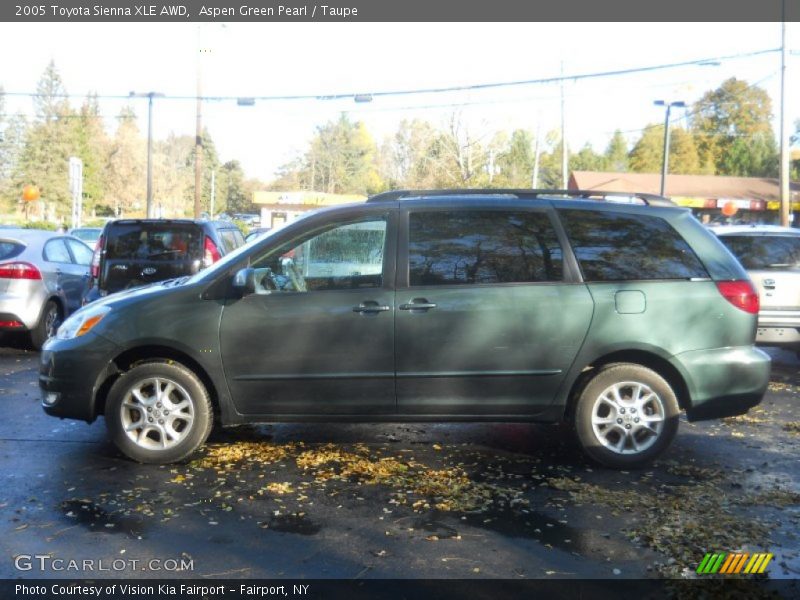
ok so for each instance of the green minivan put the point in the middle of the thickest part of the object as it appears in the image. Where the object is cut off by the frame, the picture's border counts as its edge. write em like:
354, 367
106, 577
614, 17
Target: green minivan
614, 312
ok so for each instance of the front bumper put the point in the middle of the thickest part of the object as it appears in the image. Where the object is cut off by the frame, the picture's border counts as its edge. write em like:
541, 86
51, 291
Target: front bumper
724, 382
71, 372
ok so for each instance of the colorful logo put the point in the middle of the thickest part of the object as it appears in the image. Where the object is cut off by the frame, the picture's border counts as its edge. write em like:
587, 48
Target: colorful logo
732, 563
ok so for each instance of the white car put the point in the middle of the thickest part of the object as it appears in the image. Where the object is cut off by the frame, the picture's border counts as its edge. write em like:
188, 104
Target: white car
771, 256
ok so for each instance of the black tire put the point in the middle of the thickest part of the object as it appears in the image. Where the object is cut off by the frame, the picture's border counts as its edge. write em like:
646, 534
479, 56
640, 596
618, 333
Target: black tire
154, 430
48, 324
621, 438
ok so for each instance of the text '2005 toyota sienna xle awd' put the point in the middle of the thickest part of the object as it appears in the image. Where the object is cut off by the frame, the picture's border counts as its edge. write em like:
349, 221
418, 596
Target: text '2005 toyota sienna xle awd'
430, 306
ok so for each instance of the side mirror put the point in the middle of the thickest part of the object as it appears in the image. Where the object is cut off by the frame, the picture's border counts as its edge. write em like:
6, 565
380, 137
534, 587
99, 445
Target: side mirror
245, 281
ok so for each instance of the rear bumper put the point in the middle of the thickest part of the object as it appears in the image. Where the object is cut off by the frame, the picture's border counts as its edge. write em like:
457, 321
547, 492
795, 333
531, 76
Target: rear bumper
24, 308
724, 382
11, 322
778, 328
71, 372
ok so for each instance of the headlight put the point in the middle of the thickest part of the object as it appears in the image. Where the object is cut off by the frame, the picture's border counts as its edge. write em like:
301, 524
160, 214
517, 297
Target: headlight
82, 322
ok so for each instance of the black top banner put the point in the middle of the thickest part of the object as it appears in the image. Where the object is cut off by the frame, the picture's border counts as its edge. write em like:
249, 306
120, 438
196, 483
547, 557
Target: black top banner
599, 11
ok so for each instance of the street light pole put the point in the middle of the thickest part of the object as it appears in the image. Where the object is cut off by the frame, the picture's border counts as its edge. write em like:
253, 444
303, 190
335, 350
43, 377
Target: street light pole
665, 160
149, 96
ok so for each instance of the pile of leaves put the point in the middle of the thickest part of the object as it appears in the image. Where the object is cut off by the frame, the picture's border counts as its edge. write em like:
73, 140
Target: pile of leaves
682, 521
446, 489
792, 427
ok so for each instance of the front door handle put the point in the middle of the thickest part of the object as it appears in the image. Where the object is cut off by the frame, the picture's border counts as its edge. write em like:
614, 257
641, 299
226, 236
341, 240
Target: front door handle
420, 304
369, 307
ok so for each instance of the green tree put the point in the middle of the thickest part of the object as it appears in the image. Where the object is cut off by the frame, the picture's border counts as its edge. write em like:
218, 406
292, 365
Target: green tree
732, 127
232, 195
683, 156
49, 143
587, 160
648, 152
92, 149
125, 170
341, 159
615, 157
516, 161
50, 102
405, 158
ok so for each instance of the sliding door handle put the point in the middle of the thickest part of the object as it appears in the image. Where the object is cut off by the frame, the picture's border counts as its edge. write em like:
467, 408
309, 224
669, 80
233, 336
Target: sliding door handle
420, 304
369, 307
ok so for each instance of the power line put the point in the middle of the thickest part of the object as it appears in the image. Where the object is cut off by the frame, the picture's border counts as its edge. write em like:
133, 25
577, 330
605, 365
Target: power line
688, 113
432, 90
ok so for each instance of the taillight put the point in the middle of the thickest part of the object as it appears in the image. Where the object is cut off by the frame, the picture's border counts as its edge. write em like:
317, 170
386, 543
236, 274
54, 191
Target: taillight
741, 294
211, 252
19, 270
98, 250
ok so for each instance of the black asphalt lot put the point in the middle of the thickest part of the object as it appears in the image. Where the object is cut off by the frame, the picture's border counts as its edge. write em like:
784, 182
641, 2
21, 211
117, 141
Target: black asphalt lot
399, 500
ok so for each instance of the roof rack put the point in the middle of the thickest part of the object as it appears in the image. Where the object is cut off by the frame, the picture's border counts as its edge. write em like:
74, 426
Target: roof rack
522, 194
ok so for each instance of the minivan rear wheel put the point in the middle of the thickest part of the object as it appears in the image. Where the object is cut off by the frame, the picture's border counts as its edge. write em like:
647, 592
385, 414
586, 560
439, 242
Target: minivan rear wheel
626, 416
158, 413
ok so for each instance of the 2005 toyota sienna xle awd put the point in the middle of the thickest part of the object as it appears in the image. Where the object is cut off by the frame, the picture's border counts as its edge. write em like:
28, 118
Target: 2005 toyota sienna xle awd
429, 306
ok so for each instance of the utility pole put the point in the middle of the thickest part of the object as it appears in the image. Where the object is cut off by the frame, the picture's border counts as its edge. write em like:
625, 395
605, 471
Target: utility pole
786, 199
198, 136
665, 160
564, 159
213, 194
535, 178
149, 96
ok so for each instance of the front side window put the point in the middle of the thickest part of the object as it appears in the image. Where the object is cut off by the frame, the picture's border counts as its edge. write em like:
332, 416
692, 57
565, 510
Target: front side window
482, 247
347, 256
81, 252
611, 246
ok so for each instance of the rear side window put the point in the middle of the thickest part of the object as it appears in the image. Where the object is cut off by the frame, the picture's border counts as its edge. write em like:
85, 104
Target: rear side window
56, 251
611, 246
10, 249
765, 252
482, 247
231, 238
154, 242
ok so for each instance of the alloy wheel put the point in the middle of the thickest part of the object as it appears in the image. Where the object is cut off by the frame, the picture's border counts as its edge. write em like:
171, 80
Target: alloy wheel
628, 417
157, 413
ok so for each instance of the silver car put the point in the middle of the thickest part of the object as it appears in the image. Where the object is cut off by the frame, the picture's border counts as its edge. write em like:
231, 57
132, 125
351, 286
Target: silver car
771, 256
42, 277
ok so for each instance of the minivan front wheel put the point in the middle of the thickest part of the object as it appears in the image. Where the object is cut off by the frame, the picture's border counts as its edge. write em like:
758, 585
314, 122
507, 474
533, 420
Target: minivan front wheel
626, 416
158, 413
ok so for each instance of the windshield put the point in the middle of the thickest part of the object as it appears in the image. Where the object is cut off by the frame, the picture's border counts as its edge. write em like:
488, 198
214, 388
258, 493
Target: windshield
765, 252
87, 234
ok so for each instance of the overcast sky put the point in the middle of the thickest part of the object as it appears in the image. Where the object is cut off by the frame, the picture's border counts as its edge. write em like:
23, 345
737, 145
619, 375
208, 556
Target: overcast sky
264, 59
